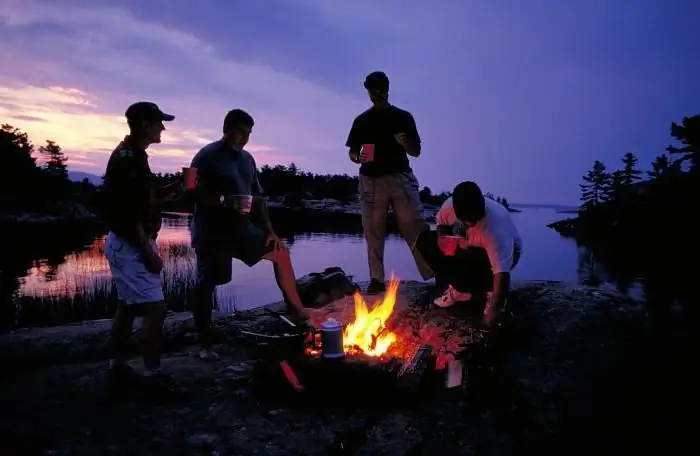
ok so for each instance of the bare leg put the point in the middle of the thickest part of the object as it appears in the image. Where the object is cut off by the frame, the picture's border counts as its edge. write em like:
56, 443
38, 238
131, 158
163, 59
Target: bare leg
122, 325
152, 334
284, 274
203, 307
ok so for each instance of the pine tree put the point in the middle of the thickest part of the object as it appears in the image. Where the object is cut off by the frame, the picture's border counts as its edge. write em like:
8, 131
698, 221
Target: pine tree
616, 183
688, 133
596, 184
629, 173
659, 167
55, 160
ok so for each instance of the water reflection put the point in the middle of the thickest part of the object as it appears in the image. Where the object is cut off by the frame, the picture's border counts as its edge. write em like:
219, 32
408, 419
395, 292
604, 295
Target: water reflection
62, 275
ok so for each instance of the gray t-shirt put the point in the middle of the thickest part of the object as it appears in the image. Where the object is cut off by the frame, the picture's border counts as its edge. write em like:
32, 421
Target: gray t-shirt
222, 171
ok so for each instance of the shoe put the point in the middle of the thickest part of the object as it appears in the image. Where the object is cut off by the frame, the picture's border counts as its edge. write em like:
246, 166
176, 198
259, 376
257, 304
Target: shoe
122, 378
208, 355
375, 287
451, 296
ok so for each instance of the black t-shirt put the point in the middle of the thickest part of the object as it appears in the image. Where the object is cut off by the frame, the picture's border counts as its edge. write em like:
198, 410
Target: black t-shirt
378, 126
129, 193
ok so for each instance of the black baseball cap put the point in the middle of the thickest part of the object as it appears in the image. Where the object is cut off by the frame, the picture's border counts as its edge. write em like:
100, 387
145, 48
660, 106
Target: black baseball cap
145, 110
376, 80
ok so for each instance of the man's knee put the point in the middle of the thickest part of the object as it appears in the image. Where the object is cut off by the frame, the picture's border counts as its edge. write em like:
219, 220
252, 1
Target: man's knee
280, 255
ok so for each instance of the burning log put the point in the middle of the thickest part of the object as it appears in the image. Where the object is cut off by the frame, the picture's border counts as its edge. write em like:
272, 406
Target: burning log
413, 370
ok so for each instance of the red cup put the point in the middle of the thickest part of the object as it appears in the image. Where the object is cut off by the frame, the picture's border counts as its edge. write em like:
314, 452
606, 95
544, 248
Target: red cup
451, 245
368, 150
189, 175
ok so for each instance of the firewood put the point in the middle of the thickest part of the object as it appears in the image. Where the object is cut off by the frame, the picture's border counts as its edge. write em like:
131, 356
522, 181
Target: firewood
416, 366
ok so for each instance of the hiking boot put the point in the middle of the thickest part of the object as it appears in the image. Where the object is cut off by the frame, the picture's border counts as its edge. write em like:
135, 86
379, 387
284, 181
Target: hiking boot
375, 287
122, 378
450, 297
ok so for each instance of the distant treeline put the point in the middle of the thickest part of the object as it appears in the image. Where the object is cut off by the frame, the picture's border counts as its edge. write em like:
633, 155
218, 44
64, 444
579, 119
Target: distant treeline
37, 180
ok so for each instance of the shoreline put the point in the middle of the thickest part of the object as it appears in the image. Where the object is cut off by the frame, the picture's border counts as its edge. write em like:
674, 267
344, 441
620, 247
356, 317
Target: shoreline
308, 207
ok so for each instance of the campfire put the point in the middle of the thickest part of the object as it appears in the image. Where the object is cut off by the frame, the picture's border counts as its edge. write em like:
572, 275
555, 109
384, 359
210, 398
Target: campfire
368, 334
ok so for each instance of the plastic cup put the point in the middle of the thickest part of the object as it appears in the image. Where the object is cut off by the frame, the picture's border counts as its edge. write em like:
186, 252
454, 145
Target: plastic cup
451, 245
243, 203
368, 150
189, 175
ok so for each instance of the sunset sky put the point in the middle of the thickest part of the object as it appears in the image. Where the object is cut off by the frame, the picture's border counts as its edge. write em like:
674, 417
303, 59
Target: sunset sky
520, 96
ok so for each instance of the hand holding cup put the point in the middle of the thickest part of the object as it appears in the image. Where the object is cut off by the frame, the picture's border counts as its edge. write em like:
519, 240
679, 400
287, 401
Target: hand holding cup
241, 203
367, 153
189, 178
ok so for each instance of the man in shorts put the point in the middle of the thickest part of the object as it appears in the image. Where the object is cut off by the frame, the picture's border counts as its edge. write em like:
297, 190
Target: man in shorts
484, 249
230, 221
386, 179
133, 219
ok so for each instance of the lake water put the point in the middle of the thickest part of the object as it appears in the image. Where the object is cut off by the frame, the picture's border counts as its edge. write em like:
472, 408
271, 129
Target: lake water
82, 275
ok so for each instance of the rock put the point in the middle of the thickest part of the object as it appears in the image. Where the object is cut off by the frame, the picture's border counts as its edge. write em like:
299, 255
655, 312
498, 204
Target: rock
535, 384
319, 289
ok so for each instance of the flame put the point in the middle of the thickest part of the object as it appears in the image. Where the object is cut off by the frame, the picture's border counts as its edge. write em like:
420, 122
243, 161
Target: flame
368, 333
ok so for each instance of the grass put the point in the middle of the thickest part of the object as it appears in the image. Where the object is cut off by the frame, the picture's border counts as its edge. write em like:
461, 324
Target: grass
82, 289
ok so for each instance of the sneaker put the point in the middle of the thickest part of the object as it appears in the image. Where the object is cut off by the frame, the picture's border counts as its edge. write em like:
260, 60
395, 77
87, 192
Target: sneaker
450, 297
375, 287
208, 355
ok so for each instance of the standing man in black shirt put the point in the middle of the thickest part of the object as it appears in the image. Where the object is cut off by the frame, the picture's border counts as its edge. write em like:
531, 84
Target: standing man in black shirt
380, 140
133, 220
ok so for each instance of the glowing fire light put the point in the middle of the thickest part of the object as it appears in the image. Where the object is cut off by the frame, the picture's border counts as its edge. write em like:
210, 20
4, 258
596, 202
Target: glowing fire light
368, 333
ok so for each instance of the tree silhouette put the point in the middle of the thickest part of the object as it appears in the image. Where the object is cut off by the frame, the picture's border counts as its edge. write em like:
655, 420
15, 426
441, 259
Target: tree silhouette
615, 184
595, 188
659, 167
54, 160
629, 173
688, 133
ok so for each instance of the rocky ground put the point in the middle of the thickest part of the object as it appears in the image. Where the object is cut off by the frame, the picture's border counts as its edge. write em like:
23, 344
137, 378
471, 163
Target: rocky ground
574, 370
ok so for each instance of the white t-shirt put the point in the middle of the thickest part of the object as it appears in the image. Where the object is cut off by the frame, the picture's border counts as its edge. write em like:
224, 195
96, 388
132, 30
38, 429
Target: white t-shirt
496, 233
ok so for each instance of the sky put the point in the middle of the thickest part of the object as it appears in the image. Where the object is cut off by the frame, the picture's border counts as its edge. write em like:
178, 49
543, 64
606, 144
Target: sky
519, 96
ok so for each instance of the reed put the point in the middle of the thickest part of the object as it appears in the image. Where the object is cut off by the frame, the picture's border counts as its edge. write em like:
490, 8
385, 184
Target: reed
81, 288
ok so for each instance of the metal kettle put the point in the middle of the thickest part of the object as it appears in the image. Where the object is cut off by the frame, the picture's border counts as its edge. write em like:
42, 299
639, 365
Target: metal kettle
332, 339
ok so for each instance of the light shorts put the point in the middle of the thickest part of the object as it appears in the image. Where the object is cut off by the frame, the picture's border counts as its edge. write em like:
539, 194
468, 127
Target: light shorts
135, 284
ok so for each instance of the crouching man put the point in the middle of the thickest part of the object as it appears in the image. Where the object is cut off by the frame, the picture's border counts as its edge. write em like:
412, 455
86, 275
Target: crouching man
473, 251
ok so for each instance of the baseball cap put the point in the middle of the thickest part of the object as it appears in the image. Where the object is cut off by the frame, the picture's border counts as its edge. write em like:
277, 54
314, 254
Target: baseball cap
376, 80
145, 110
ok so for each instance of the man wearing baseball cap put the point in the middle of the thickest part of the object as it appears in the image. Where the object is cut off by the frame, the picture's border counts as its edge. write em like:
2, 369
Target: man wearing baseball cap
133, 219
381, 140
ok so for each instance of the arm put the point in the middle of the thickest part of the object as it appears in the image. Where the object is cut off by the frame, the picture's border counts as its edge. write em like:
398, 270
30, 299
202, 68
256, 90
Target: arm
500, 252
259, 212
260, 215
354, 143
132, 175
167, 192
413, 141
501, 286
205, 193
